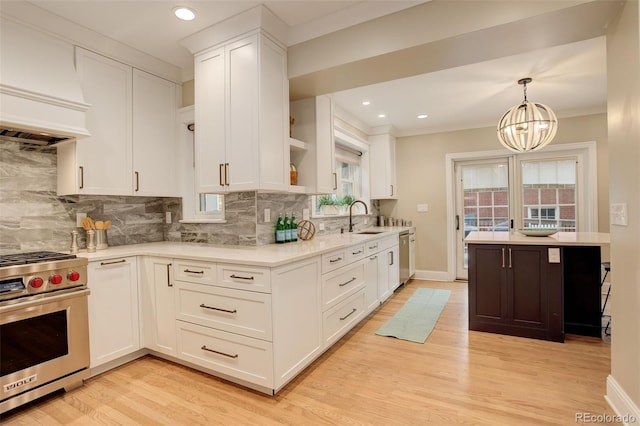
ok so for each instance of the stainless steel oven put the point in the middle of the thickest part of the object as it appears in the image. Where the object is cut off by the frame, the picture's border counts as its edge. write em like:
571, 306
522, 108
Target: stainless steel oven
44, 331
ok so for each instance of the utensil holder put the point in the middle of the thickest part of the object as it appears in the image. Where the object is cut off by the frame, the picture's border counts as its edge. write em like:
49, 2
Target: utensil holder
101, 239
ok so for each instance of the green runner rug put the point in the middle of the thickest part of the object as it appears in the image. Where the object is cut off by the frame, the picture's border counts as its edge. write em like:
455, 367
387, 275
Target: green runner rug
416, 319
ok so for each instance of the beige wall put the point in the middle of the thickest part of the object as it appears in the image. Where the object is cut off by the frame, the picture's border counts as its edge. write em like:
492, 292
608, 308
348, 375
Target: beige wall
420, 162
623, 86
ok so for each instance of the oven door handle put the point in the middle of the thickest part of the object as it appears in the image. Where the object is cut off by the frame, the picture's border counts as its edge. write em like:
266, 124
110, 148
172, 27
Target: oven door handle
12, 290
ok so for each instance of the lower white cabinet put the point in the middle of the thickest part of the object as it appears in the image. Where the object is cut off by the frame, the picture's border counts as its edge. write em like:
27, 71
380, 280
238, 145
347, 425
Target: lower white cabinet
371, 296
158, 305
230, 354
113, 309
338, 320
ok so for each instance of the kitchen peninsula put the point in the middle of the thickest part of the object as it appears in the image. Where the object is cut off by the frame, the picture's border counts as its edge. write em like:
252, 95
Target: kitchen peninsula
254, 315
537, 287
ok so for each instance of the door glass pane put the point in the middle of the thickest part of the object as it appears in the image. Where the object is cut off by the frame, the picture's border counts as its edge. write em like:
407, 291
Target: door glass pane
486, 197
549, 194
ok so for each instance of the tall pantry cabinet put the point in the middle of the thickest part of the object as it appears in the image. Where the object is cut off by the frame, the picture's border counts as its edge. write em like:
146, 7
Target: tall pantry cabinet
242, 116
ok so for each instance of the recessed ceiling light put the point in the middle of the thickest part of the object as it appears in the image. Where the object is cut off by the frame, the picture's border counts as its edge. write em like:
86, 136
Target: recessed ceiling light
422, 116
184, 13
381, 115
366, 103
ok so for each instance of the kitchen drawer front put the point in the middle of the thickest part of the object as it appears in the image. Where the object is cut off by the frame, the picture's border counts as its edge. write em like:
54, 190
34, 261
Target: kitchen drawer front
337, 321
355, 253
194, 272
236, 311
372, 247
388, 242
334, 260
338, 284
237, 356
244, 277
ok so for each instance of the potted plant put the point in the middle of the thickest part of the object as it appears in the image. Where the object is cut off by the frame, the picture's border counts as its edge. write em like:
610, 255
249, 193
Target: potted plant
328, 205
344, 203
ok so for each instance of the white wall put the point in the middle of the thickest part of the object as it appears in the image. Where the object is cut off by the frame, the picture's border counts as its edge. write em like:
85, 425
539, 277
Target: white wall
623, 78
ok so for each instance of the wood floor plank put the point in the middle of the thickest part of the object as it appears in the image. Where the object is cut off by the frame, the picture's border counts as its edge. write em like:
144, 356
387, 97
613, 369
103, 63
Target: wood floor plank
456, 377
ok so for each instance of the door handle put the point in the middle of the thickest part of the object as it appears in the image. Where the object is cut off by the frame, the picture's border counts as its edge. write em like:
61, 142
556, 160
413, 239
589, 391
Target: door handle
510, 264
221, 166
137, 181
226, 174
335, 181
457, 222
169, 283
502, 257
81, 177
391, 190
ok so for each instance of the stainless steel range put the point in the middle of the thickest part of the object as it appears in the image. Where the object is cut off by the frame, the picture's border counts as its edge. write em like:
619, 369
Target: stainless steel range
44, 328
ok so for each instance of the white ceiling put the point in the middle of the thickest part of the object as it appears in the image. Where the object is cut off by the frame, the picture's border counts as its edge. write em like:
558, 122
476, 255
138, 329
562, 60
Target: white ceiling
571, 79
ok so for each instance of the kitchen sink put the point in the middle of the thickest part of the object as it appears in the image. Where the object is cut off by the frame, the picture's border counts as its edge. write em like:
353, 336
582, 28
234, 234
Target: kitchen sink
369, 232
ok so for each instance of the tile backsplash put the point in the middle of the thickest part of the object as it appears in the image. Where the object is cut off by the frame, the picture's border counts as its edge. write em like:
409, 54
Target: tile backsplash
33, 217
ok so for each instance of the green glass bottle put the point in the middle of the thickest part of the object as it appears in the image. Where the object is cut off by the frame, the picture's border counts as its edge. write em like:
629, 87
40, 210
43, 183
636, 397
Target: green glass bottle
280, 230
294, 228
287, 229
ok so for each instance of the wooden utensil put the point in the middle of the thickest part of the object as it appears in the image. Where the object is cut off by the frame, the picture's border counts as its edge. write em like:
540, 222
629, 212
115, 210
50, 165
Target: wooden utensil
99, 224
107, 224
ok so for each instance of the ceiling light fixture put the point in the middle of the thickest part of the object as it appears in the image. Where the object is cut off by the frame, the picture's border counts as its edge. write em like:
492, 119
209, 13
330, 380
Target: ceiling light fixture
184, 13
422, 116
381, 116
366, 103
527, 127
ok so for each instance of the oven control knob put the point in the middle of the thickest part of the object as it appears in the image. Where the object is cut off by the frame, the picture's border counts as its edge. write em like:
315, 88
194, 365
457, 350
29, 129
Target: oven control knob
36, 282
73, 276
55, 279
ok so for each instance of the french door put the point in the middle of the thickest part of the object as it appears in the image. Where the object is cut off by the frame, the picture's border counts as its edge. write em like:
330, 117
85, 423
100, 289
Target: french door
506, 193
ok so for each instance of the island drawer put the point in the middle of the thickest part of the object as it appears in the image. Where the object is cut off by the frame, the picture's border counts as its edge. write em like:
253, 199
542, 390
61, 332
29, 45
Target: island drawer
237, 356
194, 271
355, 253
337, 321
334, 260
244, 277
236, 311
337, 284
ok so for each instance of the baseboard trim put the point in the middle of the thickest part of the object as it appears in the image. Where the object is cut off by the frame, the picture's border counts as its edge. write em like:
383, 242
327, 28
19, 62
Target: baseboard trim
621, 404
432, 275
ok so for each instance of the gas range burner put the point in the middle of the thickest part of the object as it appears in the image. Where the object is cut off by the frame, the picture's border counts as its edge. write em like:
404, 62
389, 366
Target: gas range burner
32, 257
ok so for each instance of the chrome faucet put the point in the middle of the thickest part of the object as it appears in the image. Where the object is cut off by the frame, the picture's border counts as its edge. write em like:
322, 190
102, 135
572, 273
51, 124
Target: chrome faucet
366, 211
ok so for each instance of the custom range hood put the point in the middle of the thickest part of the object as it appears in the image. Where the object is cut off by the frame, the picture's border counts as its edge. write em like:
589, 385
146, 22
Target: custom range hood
41, 101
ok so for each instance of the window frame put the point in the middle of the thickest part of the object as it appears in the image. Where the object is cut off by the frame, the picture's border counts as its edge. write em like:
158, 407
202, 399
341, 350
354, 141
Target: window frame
353, 142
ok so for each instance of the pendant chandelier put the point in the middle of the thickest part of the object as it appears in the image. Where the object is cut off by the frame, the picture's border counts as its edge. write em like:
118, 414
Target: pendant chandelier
528, 126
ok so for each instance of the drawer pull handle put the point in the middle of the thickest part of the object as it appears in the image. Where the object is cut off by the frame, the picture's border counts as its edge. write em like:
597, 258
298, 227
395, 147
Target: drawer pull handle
373, 247
348, 315
202, 305
241, 278
169, 283
113, 262
205, 348
337, 259
356, 252
373, 258
350, 281
189, 271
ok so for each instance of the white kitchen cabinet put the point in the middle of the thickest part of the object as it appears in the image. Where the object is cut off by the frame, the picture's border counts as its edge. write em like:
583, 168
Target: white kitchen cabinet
297, 318
371, 296
388, 268
155, 140
382, 157
100, 164
241, 115
132, 120
158, 305
113, 309
314, 127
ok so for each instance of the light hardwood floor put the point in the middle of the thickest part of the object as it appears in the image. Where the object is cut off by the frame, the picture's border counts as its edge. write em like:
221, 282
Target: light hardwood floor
455, 377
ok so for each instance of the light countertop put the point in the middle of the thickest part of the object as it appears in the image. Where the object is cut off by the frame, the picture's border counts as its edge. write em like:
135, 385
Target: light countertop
558, 239
270, 255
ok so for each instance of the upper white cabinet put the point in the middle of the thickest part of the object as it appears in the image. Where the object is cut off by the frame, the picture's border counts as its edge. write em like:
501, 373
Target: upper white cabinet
241, 115
132, 120
315, 157
382, 153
